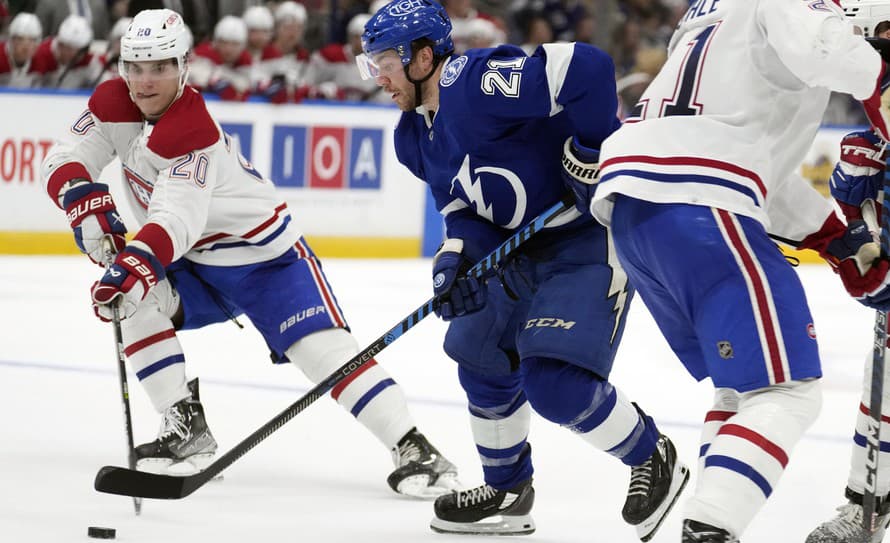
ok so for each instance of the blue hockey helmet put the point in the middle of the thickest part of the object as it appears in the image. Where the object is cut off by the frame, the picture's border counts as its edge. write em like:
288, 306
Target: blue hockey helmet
399, 23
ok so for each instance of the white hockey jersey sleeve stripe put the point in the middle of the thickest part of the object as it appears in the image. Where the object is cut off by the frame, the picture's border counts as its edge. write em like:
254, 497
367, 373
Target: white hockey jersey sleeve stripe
686, 170
559, 55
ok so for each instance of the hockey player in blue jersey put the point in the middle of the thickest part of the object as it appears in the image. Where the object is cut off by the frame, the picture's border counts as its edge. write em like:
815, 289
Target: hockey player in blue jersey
492, 131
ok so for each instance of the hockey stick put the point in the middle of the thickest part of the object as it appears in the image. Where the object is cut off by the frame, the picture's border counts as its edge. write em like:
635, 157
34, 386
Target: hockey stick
870, 501
122, 373
129, 482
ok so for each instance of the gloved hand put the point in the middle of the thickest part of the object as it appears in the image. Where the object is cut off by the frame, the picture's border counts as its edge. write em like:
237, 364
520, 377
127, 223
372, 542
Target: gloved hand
859, 174
93, 216
129, 279
855, 256
580, 169
457, 294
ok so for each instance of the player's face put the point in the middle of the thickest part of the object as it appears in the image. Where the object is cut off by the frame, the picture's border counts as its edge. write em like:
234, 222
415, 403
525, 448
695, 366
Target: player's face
257, 38
22, 48
229, 51
65, 54
391, 76
153, 85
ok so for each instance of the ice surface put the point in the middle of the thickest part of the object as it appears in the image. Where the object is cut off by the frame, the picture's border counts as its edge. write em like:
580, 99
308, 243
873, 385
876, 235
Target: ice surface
321, 478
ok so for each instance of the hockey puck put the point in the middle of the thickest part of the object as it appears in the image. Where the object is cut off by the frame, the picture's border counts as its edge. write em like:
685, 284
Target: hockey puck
100, 533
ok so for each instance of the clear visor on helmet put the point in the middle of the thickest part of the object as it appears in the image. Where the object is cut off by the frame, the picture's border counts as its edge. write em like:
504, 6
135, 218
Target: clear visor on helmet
386, 64
151, 70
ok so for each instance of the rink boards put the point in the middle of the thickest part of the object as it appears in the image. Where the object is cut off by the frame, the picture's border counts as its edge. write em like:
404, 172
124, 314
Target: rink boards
334, 164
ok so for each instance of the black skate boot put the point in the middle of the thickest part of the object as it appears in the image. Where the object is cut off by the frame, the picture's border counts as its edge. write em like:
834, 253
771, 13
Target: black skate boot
421, 470
184, 444
485, 510
846, 527
655, 486
699, 532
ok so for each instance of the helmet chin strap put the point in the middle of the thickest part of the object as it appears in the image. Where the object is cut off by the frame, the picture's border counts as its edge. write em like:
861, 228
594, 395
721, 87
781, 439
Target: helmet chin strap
418, 98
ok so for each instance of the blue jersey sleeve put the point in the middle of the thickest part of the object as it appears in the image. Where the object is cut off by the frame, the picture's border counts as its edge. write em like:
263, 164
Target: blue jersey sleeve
574, 79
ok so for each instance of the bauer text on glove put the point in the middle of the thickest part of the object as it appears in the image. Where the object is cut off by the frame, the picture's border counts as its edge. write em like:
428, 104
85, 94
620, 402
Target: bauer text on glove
580, 172
93, 216
134, 272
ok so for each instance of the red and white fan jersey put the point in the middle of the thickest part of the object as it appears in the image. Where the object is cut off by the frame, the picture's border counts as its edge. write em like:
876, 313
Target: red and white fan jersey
190, 189
82, 74
22, 77
732, 113
335, 64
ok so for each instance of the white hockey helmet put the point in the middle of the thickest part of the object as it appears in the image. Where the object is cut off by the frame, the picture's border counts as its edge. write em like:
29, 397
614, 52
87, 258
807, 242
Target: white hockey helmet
156, 34
119, 29
290, 10
75, 31
356, 26
866, 14
258, 18
231, 28
26, 25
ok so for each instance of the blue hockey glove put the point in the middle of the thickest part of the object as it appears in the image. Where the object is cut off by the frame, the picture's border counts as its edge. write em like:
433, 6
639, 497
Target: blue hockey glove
93, 216
134, 272
859, 173
456, 294
580, 170
855, 256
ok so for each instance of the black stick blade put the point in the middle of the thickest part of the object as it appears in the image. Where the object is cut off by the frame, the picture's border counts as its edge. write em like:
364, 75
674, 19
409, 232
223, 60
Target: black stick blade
130, 482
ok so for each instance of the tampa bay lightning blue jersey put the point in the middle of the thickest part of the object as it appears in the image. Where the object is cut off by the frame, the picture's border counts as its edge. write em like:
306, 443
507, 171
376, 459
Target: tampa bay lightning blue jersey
491, 153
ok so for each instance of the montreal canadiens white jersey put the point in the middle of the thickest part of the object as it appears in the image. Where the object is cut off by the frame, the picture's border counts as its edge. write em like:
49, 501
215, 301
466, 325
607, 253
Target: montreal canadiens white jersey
732, 113
192, 192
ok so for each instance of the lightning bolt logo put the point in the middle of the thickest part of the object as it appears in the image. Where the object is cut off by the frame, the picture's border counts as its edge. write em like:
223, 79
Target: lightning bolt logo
617, 285
472, 189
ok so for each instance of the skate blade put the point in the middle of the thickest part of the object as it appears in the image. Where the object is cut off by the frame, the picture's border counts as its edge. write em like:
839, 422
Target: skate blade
646, 529
494, 525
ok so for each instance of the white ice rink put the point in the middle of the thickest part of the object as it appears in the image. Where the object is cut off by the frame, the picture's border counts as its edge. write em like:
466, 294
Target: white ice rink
321, 478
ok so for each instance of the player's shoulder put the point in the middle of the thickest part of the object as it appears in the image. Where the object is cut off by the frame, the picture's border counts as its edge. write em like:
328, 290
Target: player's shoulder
333, 52
187, 126
5, 66
111, 103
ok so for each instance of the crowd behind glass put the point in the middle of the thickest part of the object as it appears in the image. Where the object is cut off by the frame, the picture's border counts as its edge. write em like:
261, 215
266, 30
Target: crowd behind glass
288, 52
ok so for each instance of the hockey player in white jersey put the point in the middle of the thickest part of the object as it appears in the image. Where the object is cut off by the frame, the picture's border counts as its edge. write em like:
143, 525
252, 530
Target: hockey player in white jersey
696, 184
214, 241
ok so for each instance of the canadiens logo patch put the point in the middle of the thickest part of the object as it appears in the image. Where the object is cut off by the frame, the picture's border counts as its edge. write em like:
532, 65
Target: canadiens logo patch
452, 71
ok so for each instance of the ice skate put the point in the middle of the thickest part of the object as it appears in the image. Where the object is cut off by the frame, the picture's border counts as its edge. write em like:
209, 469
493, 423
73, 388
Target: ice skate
699, 532
184, 444
846, 526
484, 510
655, 486
421, 470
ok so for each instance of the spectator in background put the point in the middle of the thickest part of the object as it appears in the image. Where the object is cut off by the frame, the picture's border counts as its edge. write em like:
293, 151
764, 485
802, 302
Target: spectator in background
113, 51
265, 56
64, 61
223, 66
537, 31
482, 33
290, 25
52, 12
561, 14
16, 54
332, 74
462, 13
